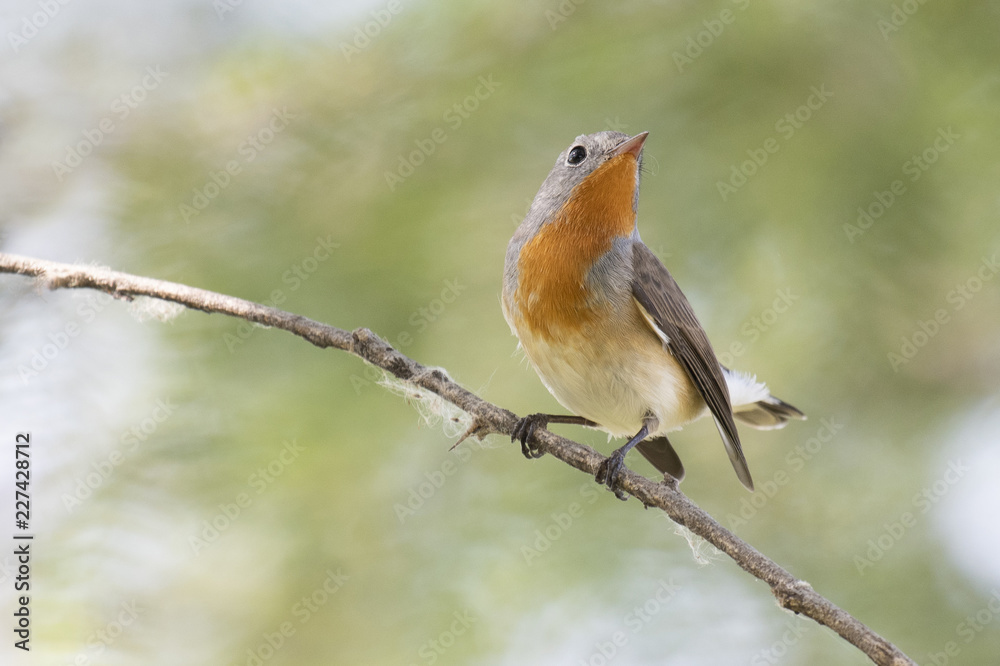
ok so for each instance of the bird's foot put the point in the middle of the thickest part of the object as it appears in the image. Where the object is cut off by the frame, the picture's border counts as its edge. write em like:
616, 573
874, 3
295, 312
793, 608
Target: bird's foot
609, 471
523, 431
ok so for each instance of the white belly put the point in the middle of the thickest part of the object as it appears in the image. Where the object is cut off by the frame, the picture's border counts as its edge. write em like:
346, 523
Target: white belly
601, 377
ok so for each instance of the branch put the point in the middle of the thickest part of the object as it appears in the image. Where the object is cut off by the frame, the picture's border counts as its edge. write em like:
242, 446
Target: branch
795, 595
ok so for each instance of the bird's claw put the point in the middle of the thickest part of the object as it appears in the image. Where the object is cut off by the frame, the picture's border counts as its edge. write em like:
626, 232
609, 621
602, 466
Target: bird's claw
609, 471
524, 429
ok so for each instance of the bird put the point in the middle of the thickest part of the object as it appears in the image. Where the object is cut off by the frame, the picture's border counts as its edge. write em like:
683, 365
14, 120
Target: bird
605, 325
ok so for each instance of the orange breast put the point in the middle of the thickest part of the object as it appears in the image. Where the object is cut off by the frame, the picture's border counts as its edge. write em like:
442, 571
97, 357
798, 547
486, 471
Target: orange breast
552, 293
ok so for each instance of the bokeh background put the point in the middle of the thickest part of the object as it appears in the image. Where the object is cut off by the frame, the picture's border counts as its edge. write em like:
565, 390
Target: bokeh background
206, 492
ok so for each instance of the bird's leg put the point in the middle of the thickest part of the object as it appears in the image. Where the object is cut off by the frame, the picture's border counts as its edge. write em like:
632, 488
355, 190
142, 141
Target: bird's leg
612, 466
526, 427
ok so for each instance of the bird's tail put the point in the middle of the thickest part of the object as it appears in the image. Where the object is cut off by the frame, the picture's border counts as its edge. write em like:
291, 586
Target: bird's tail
661, 454
753, 403
767, 414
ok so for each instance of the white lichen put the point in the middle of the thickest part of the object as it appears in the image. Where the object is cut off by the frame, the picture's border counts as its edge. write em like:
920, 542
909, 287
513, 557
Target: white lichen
703, 552
432, 408
144, 308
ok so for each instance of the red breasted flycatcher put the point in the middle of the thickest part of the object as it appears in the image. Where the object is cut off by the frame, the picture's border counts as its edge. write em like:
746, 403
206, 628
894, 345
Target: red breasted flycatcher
605, 325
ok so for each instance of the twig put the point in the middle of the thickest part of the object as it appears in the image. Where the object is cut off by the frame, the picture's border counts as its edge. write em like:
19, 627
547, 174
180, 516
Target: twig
791, 593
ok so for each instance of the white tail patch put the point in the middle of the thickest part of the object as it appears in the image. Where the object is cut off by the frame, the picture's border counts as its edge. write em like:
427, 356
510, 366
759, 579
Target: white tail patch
744, 389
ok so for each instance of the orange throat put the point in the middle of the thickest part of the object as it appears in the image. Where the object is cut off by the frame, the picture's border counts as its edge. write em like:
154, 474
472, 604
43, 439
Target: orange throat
552, 294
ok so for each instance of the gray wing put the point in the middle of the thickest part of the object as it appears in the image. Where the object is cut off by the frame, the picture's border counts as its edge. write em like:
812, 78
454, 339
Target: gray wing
666, 308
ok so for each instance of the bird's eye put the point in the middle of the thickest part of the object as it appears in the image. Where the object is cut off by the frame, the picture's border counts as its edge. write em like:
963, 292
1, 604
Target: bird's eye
577, 154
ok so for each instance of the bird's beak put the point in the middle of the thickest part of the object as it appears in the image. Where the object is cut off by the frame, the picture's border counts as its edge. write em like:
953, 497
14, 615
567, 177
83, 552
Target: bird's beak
633, 145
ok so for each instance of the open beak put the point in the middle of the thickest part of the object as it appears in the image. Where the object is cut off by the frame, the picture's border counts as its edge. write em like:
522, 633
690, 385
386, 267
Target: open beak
633, 145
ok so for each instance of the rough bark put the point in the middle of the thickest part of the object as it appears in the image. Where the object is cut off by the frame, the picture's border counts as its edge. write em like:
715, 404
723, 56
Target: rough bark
487, 418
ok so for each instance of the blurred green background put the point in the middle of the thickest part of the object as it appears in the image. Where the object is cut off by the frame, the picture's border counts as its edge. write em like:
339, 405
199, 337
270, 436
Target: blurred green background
822, 181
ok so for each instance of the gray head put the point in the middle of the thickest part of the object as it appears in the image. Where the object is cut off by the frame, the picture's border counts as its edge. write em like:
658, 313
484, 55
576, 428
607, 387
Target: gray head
587, 154
579, 160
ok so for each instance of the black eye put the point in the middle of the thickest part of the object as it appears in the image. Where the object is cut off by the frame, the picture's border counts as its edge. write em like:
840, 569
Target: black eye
576, 155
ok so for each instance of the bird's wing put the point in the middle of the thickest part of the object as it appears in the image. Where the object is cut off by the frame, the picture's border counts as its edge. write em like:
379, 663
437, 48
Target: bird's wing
669, 314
